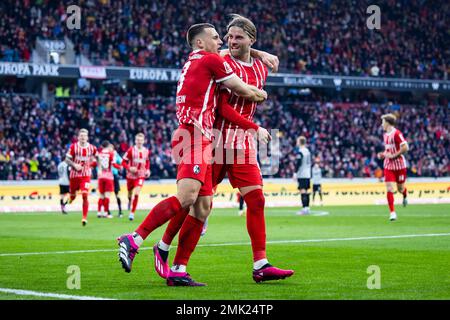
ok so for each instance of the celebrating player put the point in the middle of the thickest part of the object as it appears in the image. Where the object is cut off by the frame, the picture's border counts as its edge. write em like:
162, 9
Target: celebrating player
303, 173
105, 179
137, 163
242, 167
395, 146
192, 149
81, 157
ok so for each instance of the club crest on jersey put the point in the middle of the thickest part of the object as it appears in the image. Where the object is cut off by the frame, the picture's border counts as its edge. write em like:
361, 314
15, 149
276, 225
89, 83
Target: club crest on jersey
227, 67
196, 169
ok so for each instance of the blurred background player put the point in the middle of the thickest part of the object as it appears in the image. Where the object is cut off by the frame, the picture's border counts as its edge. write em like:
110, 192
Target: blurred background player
63, 179
303, 173
105, 179
81, 157
316, 180
137, 163
395, 146
116, 175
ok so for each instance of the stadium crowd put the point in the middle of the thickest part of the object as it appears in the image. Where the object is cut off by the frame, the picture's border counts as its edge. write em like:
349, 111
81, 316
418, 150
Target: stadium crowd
34, 135
326, 37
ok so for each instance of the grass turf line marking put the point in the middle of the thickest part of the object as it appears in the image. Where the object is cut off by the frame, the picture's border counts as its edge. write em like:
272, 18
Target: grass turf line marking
239, 244
49, 295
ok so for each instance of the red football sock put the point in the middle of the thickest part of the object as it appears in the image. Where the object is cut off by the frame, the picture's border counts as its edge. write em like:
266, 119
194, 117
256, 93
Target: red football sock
72, 197
256, 225
405, 194
99, 205
85, 205
159, 215
106, 204
174, 226
134, 204
187, 241
390, 199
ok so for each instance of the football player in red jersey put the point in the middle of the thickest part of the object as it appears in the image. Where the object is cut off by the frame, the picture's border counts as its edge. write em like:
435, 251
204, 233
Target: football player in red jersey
81, 157
137, 164
395, 146
242, 167
192, 149
105, 179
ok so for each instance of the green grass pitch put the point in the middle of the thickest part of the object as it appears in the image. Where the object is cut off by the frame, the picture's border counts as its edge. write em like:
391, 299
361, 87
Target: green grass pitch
412, 267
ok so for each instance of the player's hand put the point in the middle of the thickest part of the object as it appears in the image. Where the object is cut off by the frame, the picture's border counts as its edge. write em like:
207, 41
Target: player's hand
270, 60
390, 156
147, 173
263, 135
77, 166
133, 169
380, 155
262, 96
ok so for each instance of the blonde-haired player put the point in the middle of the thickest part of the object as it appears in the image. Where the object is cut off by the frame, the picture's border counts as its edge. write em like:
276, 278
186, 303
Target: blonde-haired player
395, 146
137, 164
81, 157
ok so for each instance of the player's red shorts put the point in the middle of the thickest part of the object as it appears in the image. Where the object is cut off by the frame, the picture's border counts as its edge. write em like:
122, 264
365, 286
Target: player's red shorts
133, 183
192, 153
105, 185
79, 183
398, 176
242, 168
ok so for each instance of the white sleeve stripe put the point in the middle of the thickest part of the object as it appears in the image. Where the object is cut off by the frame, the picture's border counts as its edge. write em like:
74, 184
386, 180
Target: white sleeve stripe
404, 142
68, 155
225, 78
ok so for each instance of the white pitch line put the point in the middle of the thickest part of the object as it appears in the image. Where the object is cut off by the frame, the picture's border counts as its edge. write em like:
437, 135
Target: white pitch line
49, 295
239, 244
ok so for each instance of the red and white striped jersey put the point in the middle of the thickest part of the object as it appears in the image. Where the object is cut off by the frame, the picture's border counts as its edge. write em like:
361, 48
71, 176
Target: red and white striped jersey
81, 155
254, 73
138, 158
196, 90
392, 142
104, 165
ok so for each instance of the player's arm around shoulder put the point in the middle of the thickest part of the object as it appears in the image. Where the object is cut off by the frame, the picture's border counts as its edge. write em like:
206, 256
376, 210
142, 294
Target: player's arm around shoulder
223, 73
242, 89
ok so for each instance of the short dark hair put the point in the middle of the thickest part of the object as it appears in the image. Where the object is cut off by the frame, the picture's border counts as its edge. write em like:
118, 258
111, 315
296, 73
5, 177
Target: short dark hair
389, 118
195, 30
105, 144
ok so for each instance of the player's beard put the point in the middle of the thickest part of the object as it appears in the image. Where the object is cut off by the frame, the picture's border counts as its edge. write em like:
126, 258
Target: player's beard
239, 53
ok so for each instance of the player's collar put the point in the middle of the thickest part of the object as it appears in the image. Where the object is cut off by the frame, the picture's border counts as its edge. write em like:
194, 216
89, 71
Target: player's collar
391, 131
247, 64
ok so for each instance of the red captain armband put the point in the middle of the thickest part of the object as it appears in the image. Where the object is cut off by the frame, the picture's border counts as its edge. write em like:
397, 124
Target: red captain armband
227, 112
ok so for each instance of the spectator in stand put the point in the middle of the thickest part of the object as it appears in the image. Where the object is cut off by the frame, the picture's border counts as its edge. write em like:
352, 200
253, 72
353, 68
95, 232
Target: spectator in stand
346, 136
326, 37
